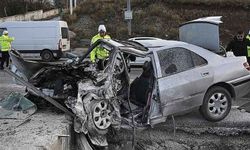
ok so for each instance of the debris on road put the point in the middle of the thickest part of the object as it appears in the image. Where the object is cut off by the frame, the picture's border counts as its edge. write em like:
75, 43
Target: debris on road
16, 106
24, 122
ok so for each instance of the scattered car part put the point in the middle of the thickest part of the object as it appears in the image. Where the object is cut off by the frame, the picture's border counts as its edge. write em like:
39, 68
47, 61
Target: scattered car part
38, 92
24, 122
16, 106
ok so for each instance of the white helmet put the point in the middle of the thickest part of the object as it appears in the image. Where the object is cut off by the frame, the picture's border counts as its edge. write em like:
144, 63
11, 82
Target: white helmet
5, 32
101, 28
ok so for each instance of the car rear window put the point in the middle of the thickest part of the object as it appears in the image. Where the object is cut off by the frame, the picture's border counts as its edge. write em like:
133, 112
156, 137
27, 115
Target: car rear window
65, 33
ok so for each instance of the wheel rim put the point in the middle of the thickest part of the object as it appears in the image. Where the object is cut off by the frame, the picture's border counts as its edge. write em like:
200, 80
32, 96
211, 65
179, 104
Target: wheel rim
47, 56
217, 104
102, 115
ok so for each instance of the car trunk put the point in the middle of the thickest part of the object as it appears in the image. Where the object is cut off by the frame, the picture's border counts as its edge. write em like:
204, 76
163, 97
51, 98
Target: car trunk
203, 32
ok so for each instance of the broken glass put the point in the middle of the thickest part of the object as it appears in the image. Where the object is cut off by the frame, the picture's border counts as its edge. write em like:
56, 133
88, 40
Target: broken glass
174, 60
16, 106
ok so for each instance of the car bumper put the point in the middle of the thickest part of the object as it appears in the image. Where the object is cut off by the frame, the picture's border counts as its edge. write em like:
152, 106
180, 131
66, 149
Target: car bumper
241, 86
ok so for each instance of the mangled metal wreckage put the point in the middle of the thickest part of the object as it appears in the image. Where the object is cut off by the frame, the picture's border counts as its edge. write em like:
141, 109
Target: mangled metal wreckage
98, 98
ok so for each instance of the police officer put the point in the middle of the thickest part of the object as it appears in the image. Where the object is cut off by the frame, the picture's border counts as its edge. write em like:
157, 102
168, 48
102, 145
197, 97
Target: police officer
5, 42
248, 47
99, 55
239, 45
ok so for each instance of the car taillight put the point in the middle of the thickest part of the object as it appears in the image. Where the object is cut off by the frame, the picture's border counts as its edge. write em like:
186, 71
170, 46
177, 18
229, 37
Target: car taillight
246, 65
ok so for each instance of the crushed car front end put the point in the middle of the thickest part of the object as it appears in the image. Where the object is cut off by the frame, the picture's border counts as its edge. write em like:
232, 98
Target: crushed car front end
94, 96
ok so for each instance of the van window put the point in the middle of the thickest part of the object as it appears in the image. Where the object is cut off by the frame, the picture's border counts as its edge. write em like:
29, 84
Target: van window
65, 33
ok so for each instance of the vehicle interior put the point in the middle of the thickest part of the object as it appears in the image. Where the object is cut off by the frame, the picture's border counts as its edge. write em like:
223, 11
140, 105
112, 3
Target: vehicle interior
140, 93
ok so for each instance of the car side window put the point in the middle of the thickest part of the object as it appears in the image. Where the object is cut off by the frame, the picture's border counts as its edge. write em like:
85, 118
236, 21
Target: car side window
175, 60
198, 60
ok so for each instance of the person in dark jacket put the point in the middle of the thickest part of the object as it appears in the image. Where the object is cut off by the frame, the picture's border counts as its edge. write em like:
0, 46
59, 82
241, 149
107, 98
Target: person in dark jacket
239, 45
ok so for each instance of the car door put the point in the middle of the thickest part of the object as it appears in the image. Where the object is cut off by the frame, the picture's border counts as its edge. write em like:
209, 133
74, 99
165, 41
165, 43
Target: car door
181, 83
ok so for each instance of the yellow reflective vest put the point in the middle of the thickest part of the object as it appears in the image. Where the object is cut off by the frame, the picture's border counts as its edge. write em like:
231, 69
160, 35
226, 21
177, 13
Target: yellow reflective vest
98, 52
5, 42
248, 47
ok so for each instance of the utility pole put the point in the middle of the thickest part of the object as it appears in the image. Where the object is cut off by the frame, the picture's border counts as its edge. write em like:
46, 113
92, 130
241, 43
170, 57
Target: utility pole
128, 16
71, 7
75, 3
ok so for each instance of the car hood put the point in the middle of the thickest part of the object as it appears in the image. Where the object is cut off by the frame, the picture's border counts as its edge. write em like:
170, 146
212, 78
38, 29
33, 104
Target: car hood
203, 32
26, 67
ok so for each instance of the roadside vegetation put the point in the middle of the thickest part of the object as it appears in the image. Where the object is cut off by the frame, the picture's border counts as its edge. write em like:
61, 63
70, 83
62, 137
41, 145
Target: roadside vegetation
159, 18
14, 7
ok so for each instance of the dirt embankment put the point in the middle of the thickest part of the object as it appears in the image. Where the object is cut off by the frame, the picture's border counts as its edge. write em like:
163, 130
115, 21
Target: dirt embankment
156, 18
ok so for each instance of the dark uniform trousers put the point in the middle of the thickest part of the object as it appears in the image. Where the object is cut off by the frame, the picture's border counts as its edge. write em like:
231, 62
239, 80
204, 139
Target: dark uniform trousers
5, 58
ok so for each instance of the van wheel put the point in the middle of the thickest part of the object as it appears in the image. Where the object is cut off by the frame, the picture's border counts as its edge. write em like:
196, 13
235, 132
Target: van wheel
216, 104
47, 55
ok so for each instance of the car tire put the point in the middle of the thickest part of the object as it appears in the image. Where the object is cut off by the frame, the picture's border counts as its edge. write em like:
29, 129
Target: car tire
95, 120
47, 55
216, 104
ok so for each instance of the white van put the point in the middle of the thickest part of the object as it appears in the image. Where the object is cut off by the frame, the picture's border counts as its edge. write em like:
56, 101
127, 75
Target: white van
45, 39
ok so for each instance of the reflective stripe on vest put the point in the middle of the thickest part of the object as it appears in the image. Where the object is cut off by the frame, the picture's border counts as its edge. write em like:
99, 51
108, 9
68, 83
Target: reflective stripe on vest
248, 47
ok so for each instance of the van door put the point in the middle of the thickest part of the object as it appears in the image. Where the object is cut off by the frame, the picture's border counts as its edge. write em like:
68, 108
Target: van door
65, 41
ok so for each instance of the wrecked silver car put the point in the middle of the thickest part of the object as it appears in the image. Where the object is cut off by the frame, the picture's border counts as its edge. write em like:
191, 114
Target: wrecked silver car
103, 99
177, 78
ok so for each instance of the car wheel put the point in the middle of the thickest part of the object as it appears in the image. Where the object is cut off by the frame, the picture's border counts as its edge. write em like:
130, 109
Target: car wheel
100, 119
47, 55
216, 104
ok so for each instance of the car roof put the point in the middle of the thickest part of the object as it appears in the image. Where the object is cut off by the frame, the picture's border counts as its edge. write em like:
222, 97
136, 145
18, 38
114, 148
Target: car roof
159, 44
144, 38
150, 42
126, 47
209, 55
156, 43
